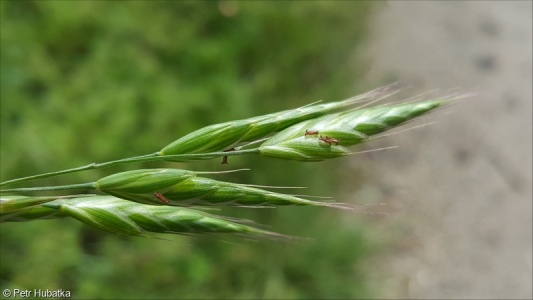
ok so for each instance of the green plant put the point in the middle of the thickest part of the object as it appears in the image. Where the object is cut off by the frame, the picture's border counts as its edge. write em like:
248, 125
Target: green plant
94, 81
310, 133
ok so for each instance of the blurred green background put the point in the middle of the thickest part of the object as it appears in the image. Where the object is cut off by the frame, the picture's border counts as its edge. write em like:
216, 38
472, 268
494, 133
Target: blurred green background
94, 81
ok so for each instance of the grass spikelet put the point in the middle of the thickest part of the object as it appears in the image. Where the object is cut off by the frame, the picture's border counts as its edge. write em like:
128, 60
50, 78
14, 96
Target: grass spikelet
324, 137
183, 188
226, 135
180, 187
189, 189
126, 217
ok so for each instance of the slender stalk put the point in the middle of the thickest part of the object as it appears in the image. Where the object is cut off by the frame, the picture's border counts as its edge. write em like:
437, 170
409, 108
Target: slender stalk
144, 158
79, 186
83, 168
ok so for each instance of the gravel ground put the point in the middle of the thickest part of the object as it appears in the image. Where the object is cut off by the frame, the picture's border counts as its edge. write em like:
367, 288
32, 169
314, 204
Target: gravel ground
459, 191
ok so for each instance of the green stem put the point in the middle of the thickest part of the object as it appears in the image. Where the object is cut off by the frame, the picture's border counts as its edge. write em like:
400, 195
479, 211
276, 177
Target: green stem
79, 186
144, 158
79, 169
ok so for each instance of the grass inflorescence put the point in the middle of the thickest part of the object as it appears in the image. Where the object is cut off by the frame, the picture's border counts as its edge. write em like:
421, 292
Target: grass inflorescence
144, 201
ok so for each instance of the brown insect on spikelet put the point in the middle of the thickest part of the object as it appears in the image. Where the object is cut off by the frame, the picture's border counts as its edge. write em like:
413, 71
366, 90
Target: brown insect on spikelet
162, 198
311, 132
329, 140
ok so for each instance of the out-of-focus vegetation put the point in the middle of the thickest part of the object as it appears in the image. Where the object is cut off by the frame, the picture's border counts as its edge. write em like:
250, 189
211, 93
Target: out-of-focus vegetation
96, 80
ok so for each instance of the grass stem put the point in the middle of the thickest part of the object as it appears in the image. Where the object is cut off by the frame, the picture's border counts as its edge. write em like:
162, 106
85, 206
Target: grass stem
143, 158
79, 186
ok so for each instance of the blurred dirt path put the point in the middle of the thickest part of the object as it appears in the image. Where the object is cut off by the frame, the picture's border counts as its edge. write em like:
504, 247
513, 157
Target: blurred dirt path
460, 191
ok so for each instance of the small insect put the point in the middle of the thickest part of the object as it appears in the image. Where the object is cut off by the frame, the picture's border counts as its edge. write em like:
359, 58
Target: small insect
329, 140
225, 158
311, 132
162, 198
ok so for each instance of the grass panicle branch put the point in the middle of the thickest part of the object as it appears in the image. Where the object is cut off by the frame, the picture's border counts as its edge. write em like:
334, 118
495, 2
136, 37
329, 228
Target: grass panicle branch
137, 159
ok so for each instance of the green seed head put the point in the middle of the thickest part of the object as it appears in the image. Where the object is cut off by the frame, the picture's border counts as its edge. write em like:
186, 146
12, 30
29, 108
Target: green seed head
184, 188
126, 217
224, 136
323, 138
